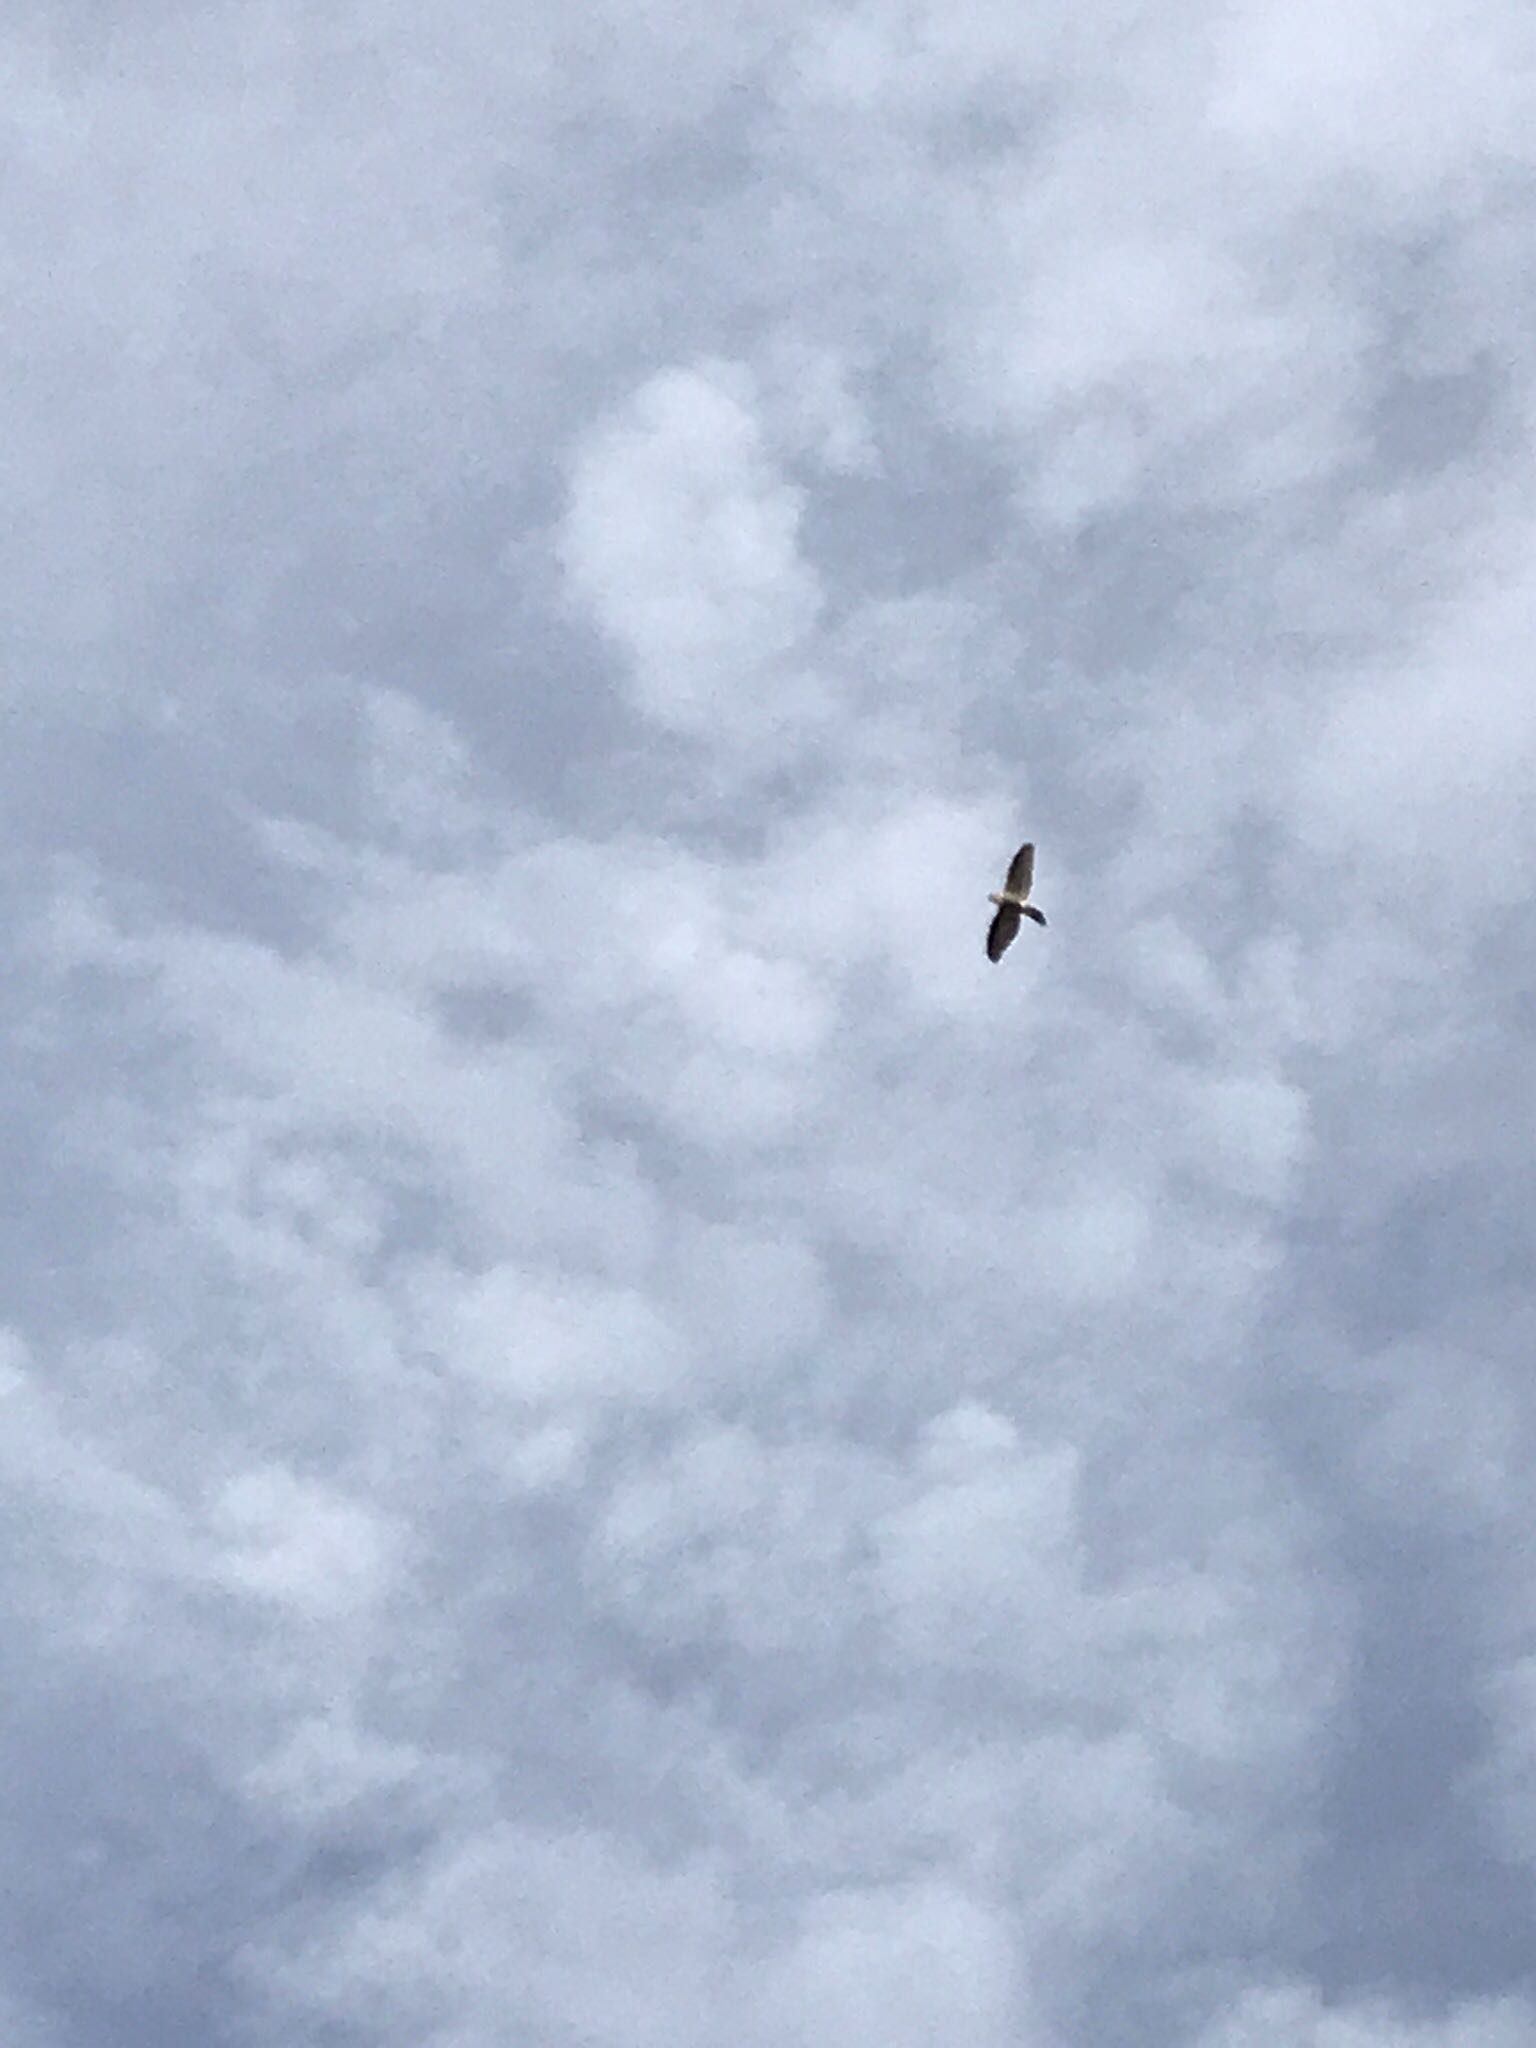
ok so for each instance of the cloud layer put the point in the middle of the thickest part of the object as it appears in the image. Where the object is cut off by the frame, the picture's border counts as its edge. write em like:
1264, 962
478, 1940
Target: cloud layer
610, 1437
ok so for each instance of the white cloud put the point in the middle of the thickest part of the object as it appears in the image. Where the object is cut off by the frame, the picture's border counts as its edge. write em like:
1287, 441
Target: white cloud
541, 1933
1367, 105
1418, 778
683, 537
1126, 353
299, 1546
543, 1339
983, 1566
913, 1967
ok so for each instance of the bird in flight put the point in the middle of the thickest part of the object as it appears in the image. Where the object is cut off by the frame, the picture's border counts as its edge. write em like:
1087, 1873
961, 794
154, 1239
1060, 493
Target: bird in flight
1013, 903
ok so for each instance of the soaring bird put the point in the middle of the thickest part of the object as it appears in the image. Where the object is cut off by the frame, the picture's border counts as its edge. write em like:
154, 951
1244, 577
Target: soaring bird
1013, 903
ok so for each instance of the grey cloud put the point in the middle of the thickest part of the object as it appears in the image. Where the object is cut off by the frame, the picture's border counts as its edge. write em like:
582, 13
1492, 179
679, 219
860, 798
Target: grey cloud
608, 1435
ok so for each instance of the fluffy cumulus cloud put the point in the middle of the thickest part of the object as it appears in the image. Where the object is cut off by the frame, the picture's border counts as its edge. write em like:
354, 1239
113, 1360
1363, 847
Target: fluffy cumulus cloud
609, 1436
683, 540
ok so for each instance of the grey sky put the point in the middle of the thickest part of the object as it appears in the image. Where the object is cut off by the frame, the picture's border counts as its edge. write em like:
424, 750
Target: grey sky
610, 1439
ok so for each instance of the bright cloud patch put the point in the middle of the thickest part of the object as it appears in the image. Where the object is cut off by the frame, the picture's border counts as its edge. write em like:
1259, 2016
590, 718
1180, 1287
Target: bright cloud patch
683, 538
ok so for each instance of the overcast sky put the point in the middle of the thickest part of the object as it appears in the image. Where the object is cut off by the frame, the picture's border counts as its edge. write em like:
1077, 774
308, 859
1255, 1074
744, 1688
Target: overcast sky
610, 1439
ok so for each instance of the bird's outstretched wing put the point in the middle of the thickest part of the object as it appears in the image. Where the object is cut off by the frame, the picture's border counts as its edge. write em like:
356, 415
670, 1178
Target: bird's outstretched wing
1021, 870
1002, 931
